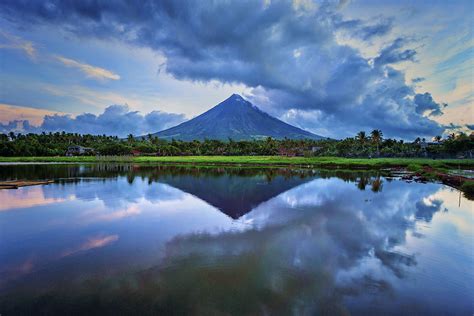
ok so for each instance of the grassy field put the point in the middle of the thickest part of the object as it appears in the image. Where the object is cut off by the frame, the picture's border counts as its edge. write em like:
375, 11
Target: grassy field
327, 162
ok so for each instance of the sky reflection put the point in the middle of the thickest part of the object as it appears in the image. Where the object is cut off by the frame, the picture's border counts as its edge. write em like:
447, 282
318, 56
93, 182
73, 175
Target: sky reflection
313, 244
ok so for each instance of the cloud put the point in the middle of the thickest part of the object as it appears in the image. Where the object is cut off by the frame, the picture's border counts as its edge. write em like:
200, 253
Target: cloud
370, 31
315, 239
418, 80
91, 243
115, 120
9, 41
427, 208
21, 113
394, 54
90, 71
358, 28
463, 116
286, 54
25, 199
425, 103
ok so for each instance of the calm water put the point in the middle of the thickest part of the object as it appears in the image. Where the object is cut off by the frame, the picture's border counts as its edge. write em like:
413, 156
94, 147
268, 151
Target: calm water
124, 239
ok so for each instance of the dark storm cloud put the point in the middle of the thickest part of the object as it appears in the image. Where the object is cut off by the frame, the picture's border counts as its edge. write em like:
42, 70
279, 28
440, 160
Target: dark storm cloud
424, 102
116, 120
394, 53
377, 30
418, 80
287, 52
426, 211
358, 28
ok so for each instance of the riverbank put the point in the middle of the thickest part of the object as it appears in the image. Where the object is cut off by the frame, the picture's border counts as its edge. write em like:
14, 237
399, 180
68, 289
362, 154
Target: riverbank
443, 170
327, 162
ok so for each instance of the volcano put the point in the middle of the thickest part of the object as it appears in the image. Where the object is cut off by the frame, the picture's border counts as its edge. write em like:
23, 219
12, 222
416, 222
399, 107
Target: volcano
237, 119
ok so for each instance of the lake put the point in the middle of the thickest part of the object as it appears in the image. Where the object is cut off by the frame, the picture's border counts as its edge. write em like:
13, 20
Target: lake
141, 239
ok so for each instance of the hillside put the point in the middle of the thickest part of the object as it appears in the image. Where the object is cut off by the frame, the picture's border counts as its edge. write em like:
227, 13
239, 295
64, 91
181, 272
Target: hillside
237, 119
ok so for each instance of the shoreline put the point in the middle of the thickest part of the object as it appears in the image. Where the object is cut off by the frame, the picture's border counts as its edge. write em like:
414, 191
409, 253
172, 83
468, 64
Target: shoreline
271, 161
421, 168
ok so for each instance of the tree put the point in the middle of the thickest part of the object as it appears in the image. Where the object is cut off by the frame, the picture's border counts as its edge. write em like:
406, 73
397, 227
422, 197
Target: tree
362, 183
362, 138
377, 136
377, 185
438, 138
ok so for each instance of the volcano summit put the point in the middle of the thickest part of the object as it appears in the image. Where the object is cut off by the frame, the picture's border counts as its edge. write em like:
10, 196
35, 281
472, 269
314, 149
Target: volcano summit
234, 118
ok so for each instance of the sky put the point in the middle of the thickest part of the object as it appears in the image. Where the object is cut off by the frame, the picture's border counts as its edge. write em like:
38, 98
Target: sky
331, 67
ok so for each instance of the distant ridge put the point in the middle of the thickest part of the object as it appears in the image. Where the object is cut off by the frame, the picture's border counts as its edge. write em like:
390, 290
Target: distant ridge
235, 118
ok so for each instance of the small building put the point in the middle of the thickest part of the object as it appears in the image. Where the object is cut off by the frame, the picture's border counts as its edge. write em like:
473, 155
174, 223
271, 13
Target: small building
136, 152
79, 150
288, 152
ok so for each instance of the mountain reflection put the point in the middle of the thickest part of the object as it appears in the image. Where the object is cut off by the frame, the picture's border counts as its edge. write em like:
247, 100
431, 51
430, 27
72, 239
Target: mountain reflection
305, 242
234, 195
233, 191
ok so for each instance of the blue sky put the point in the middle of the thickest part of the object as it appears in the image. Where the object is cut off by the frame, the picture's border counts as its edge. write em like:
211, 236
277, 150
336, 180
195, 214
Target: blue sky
331, 67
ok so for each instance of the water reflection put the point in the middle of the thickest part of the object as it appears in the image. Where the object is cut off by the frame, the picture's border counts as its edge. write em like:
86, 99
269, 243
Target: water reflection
153, 240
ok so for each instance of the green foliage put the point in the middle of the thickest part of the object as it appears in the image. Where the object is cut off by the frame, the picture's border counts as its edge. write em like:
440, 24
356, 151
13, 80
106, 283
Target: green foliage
468, 188
414, 167
361, 146
319, 162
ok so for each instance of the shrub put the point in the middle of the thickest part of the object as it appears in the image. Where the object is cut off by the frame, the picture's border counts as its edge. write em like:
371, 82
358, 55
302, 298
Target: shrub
414, 167
468, 189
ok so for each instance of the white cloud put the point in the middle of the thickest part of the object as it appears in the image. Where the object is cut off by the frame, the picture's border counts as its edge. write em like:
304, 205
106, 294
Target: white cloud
115, 120
9, 41
90, 71
14, 112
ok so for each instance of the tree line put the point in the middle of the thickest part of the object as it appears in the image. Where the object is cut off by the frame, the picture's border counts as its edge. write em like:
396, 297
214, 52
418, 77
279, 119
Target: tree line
361, 145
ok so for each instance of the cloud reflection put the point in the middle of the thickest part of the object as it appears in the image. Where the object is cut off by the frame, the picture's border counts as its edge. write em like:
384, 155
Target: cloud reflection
27, 198
91, 243
327, 245
322, 230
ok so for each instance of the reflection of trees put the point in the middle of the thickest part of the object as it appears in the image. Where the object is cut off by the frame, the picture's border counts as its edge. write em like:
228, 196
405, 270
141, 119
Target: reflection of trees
235, 191
364, 180
153, 172
362, 183
377, 185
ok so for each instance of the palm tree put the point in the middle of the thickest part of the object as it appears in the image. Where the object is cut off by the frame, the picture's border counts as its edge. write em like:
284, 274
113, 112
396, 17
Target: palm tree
377, 136
438, 138
362, 183
377, 185
130, 138
361, 137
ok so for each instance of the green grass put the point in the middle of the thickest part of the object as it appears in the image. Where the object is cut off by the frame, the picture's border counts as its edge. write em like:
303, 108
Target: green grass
332, 162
